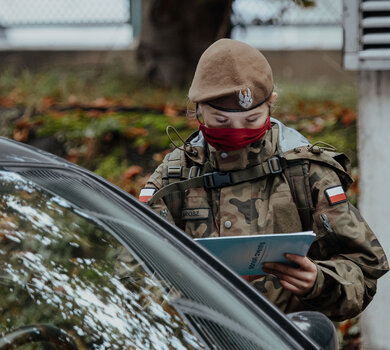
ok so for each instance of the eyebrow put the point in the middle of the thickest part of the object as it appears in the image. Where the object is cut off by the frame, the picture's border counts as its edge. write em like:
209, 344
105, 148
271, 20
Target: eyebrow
218, 114
253, 115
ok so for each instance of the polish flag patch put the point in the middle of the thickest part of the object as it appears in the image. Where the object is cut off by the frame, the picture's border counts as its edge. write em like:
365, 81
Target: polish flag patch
146, 194
335, 195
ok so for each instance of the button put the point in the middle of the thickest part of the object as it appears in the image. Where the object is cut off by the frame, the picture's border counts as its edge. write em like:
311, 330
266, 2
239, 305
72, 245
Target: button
224, 155
228, 224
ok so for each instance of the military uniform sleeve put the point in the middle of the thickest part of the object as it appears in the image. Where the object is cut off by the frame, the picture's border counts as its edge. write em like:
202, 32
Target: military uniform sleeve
348, 256
156, 181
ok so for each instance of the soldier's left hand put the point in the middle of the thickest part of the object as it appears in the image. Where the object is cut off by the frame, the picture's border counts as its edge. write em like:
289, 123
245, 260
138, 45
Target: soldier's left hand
299, 280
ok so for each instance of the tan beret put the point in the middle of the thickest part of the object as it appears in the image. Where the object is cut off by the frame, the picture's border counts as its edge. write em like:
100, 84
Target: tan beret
232, 76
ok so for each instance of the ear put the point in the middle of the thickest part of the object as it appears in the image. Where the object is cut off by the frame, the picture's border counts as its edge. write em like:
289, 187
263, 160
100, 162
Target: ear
273, 97
200, 108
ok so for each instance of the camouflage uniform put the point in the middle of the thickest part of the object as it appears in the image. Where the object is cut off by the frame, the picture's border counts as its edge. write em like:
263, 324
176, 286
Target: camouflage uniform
347, 254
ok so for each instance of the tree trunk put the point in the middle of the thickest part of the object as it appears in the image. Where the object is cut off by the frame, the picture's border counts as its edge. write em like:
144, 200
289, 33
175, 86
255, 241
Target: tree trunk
174, 34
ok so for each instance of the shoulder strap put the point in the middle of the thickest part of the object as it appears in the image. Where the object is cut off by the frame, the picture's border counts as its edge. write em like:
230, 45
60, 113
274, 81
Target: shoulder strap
339, 162
297, 174
173, 172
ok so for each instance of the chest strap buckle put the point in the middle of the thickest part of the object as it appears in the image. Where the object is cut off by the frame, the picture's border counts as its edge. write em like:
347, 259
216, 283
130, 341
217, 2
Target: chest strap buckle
216, 180
194, 172
174, 171
274, 165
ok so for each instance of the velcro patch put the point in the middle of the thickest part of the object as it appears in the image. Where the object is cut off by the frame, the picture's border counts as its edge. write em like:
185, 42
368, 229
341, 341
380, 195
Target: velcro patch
195, 214
335, 195
146, 194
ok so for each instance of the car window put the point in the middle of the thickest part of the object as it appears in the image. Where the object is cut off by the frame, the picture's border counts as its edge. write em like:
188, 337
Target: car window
74, 258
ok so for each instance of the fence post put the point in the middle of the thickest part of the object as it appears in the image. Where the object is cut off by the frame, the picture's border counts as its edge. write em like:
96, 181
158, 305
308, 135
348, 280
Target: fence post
135, 7
3, 35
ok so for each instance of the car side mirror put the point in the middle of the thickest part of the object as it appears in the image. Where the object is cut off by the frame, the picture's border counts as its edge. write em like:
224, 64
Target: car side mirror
317, 327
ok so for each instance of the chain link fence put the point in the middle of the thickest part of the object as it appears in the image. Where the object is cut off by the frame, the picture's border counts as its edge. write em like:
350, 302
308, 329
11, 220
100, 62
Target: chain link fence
15, 13
95, 12
286, 13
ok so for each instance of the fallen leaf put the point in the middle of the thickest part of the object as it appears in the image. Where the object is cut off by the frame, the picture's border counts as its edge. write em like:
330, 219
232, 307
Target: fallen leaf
21, 135
349, 118
289, 118
102, 102
73, 155
72, 99
345, 326
23, 123
170, 110
7, 101
132, 171
158, 157
133, 131
47, 102
142, 148
354, 188
94, 113
60, 289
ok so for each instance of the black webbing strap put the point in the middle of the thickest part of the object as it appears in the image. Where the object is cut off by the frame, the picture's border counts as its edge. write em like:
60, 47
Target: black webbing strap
218, 179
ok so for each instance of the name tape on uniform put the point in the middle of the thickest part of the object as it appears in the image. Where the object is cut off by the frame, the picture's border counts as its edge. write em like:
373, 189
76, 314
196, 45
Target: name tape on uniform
146, 194
335, 195
195, 214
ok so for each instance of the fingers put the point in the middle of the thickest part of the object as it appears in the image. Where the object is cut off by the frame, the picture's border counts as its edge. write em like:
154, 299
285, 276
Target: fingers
299, 283
299, 280
292, 288
302, 261
304, 265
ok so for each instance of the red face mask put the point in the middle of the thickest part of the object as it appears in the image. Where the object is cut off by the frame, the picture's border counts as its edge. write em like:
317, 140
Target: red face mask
231, 139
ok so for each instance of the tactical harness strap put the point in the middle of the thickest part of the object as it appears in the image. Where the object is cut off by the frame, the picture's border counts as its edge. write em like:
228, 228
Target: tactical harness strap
218, 179
297, 174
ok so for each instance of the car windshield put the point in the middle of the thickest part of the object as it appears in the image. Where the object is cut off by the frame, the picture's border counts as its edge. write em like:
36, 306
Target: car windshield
67, 262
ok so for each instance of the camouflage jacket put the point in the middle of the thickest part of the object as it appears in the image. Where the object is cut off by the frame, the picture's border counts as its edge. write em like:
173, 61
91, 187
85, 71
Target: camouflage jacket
347, 254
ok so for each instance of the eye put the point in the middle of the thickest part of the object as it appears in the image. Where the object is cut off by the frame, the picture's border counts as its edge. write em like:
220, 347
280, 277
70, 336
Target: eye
252, 119
220, 120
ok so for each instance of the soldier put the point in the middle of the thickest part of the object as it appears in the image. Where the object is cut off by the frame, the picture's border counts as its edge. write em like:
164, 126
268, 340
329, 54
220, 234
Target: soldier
244, 173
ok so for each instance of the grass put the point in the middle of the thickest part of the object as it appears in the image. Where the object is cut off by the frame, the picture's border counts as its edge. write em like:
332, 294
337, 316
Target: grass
84, 85
343, 94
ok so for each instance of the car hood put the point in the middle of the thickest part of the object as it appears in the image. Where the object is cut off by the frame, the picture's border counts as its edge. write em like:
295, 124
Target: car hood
15, 152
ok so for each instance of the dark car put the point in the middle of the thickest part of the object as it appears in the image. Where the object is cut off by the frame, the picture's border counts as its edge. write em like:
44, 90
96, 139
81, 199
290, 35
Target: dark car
84, 265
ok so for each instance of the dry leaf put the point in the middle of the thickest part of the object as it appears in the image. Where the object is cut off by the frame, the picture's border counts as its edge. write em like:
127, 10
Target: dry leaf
349, 118
132, 171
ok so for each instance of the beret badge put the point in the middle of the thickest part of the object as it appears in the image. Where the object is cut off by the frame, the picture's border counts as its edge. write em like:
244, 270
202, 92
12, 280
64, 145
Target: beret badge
245, 98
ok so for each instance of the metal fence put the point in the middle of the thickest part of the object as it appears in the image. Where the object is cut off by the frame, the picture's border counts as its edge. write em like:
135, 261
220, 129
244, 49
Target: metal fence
15, 13
104, 12
286, 12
